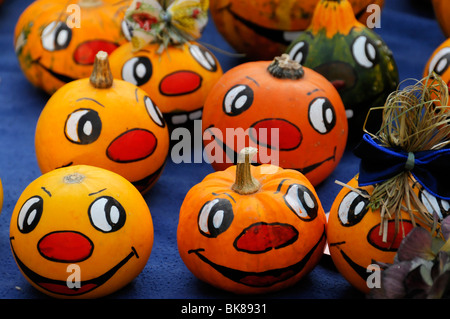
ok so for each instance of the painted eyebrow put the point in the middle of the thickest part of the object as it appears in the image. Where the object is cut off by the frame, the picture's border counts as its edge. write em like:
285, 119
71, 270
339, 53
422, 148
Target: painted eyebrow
46, 191
90, 99
280, 185
216, 194
253, 80
94, 193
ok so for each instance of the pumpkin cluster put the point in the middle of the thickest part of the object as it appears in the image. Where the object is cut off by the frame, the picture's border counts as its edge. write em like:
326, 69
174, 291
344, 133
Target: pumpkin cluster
122, 75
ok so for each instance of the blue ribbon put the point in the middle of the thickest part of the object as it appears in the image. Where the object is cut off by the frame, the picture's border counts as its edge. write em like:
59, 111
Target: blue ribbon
431, 169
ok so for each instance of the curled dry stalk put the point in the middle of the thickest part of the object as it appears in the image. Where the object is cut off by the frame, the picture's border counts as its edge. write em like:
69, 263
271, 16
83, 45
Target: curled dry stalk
414, 119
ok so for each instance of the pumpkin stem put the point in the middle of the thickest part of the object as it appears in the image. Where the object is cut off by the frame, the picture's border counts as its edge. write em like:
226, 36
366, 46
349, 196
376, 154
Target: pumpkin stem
101, 77
245, 183
283, 67
75, 178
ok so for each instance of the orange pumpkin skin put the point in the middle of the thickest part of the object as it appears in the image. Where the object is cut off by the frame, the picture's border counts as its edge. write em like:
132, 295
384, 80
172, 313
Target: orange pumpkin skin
441, 10
52, 51
178, 80
75, 217
262, 245
353, 233
263, 29
439, 62
308, 113
125, 131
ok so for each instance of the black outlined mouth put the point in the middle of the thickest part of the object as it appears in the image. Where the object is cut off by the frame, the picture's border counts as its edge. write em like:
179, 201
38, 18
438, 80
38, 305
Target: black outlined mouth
58, 76
359, 270
60, 287
260, 279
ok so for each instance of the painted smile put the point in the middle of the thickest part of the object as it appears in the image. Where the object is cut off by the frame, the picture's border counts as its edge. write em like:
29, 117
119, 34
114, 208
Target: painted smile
60, 286
178, 118
260, 279
58, 76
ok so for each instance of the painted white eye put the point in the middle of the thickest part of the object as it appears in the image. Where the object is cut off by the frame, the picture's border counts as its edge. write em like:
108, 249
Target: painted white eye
364, 52
299, 52
56, 36
215, 217
154, 112
433, 204
237, 100
107, 214
83, 126
321, 115
203, 57
353, 207
127, 30
440, 61
30, 214
302, 202
137, 70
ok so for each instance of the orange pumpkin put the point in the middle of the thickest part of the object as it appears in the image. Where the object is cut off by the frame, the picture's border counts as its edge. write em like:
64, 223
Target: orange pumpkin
439, 62
56, 41
178, 79
354, 230
298, 121
251, 230
441, 10
103, 122
263, 29
80, 232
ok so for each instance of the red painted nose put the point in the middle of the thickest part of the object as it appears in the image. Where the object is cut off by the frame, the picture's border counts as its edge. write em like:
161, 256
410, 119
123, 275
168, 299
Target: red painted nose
131, 146
85, 52
393, 240
289, 136
179, 83
65, 246
262, 237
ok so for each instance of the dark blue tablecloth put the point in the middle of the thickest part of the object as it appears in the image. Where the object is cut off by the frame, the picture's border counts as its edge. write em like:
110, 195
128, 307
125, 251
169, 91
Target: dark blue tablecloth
409, 29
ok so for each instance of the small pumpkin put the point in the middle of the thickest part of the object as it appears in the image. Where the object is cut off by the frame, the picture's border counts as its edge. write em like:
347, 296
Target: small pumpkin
164, 59
67, 222
103, 122
439, 62
56, 41
351, 56
251, 230
263, 29
292, 114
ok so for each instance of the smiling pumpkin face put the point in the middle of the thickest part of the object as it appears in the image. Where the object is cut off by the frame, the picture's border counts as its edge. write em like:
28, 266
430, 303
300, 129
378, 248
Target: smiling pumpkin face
300, 123
263, 29
252, 243
56, 41
178, 79
67, 222
354, 231
117, 128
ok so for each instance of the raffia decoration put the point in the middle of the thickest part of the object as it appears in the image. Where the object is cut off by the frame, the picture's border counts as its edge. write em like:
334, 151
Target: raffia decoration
414, 119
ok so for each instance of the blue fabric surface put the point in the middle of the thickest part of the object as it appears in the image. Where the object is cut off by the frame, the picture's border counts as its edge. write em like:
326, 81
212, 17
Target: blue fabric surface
409, 29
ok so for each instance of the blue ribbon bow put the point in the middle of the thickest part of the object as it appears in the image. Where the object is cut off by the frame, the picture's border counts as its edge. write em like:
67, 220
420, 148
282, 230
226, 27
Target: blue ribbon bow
430, 168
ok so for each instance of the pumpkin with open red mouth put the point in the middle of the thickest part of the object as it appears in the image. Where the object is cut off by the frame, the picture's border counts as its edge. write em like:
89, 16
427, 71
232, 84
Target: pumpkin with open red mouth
292, 114
106, 123
80, 232
251, 230
263, 29
56, 41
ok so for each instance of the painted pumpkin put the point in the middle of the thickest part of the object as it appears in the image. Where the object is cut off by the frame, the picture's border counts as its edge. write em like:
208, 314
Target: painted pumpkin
441, 10
351, 56
297, 122
103, 122
439, 62
178, 79
354, 231
67, 222
56, 41
251, 230
263, 29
